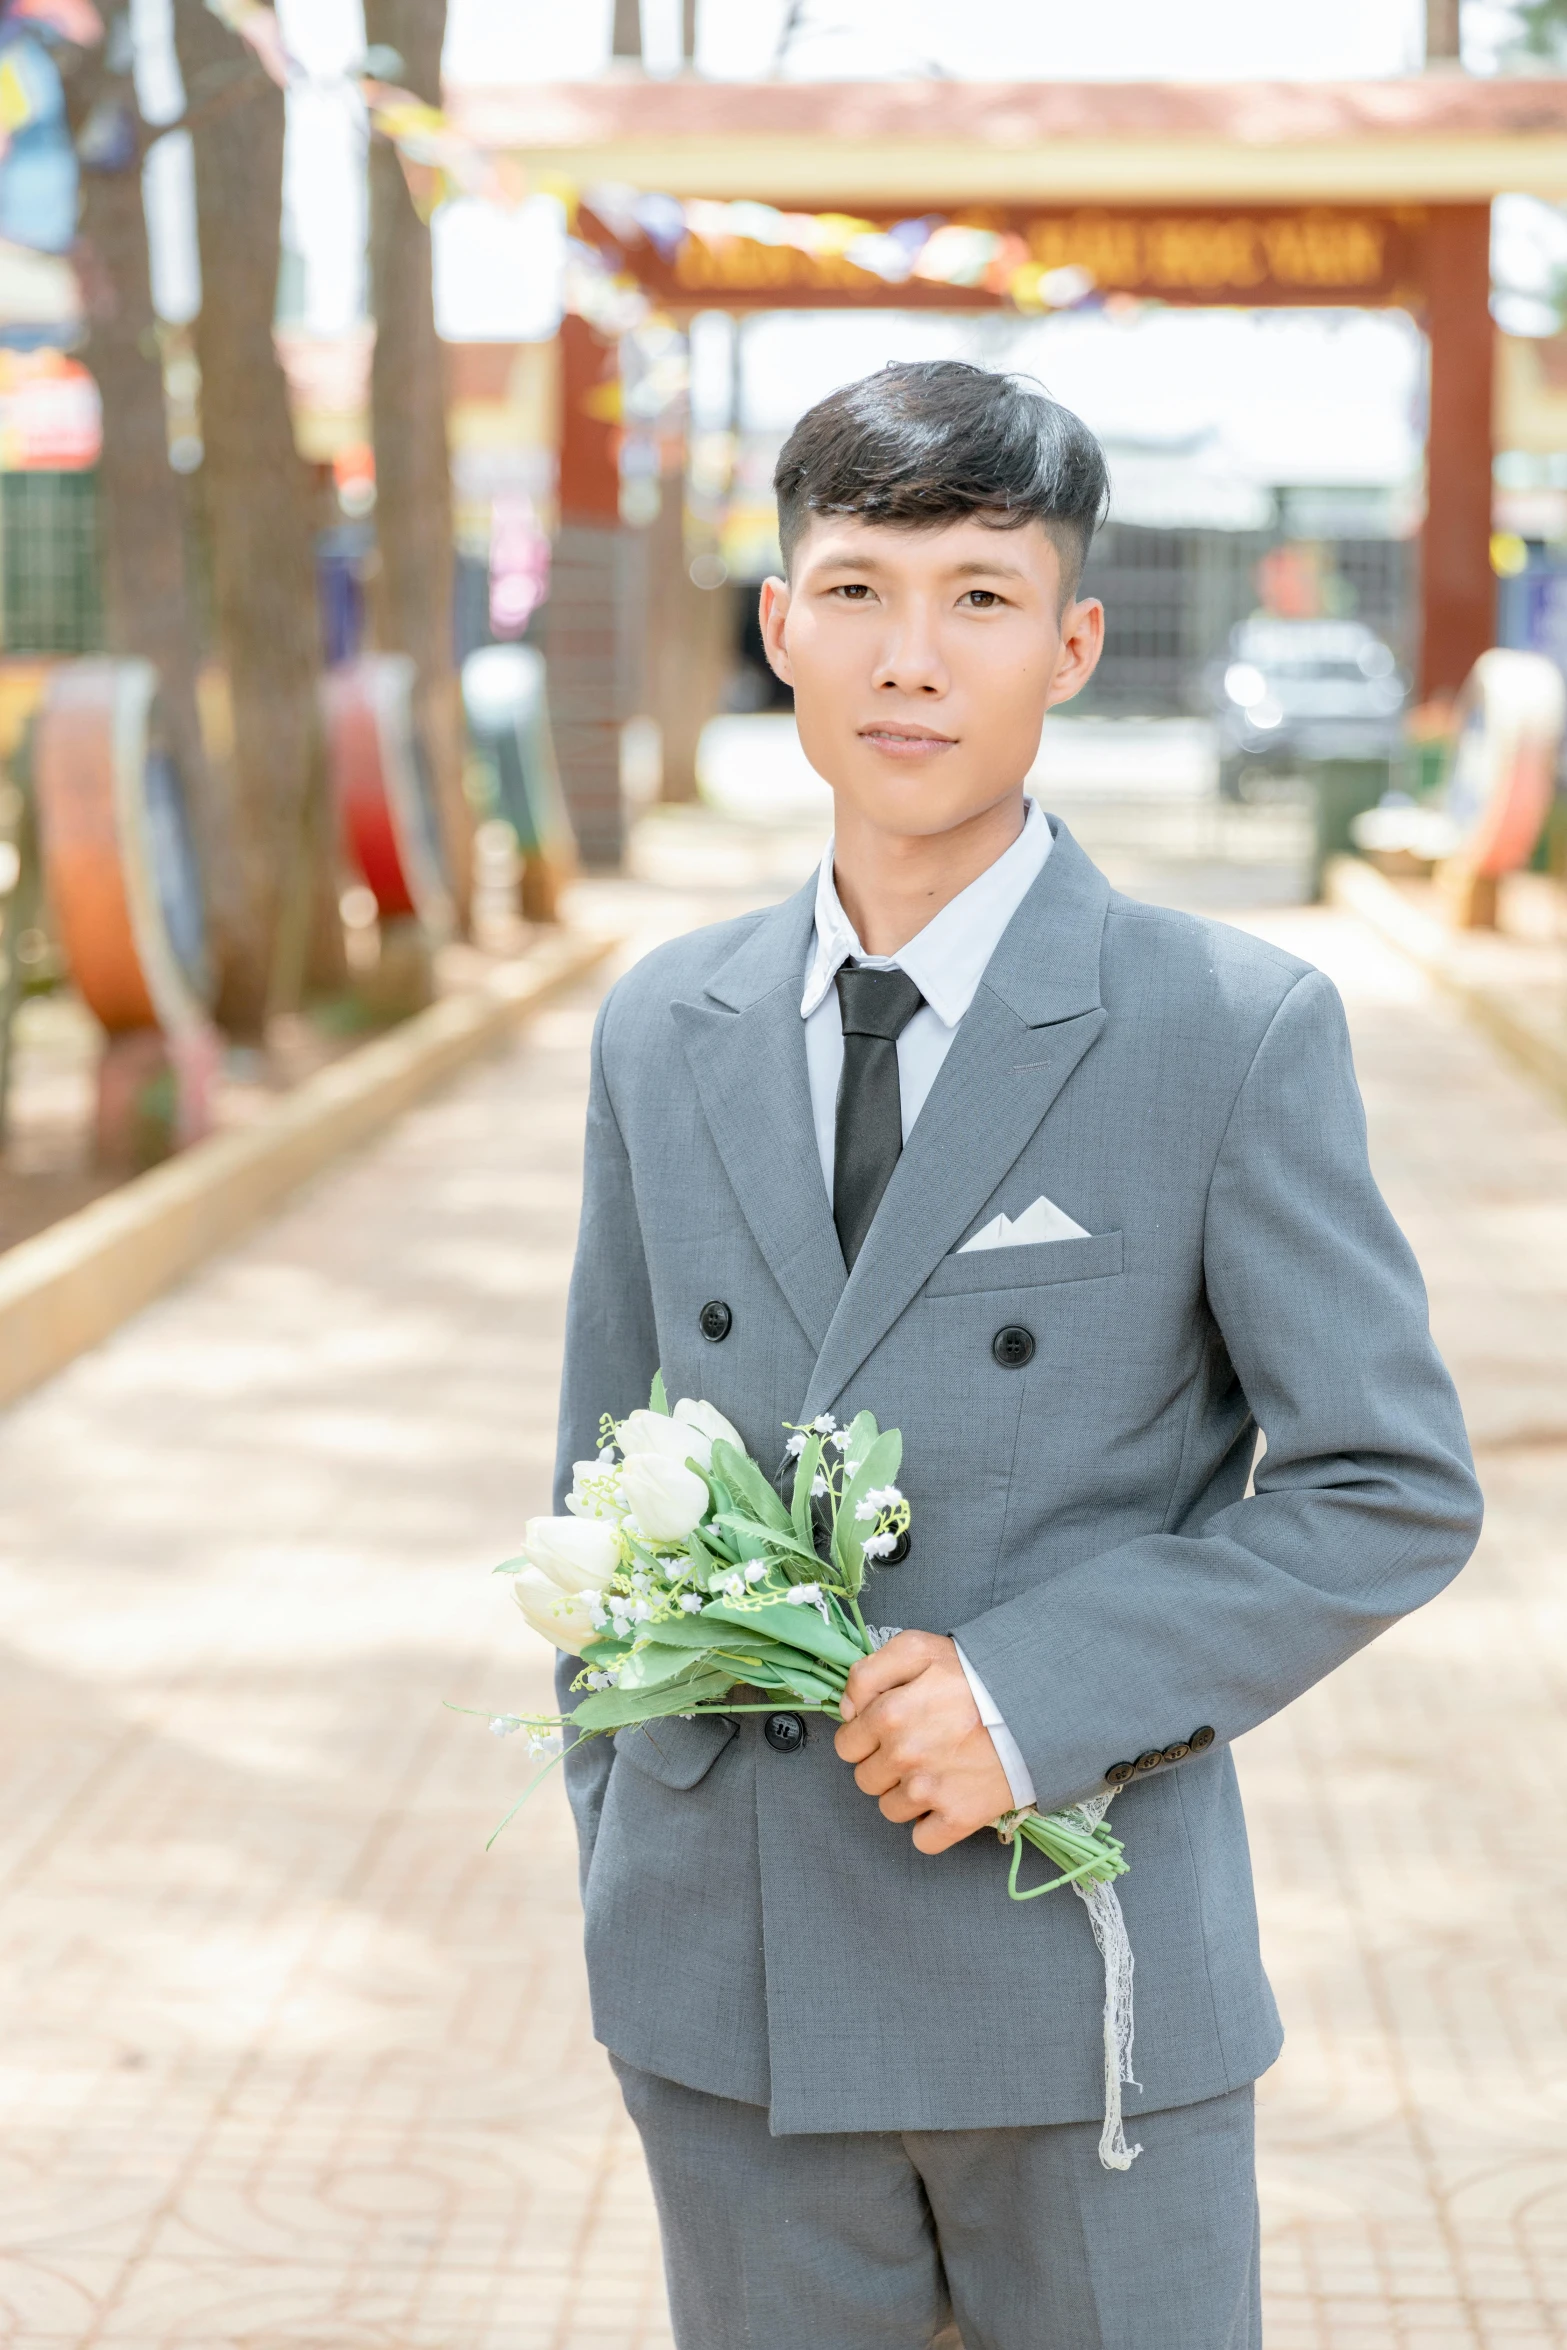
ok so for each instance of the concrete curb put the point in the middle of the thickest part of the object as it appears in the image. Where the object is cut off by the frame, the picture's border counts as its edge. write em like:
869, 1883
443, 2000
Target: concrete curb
65, 1289
1533, 1031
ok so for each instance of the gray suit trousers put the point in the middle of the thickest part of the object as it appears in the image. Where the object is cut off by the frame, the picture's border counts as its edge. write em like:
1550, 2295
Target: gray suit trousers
876, 2239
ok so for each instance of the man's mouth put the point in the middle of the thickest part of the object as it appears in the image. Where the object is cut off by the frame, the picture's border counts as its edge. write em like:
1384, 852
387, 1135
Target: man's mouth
906, 742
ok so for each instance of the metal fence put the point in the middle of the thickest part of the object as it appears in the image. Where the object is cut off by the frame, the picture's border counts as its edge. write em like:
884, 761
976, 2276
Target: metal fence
49, 563
1172, 597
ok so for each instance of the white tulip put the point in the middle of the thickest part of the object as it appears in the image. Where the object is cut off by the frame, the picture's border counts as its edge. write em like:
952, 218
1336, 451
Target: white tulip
559, 1615
668, 1498
712, 1423
573, 1552
668, 1439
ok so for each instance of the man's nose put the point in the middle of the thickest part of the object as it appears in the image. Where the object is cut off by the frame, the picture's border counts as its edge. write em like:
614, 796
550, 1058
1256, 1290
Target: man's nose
911, 660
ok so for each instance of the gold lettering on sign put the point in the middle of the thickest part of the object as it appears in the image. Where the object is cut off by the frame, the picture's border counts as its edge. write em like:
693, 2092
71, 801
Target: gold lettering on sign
1318, 251
1241, 256
1187, 253
1178, 253
1110, 250
739, 266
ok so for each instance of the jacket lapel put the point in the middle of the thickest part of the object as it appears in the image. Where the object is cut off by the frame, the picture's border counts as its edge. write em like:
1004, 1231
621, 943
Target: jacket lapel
1036, 1014
745, 1042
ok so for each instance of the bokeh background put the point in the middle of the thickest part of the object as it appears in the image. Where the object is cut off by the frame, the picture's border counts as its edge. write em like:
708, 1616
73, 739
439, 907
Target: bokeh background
389, 394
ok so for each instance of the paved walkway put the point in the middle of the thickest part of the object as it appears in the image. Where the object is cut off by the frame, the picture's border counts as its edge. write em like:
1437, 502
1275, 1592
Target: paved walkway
288, 2060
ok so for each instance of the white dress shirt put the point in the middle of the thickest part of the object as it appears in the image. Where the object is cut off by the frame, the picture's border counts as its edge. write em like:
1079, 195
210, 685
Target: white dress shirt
946, 961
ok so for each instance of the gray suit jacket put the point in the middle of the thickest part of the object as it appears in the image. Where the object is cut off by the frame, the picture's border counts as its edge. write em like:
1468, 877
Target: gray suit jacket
755, 1928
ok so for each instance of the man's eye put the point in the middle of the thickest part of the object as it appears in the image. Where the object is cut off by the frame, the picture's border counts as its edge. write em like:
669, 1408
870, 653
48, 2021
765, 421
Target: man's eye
856, 590
982, 598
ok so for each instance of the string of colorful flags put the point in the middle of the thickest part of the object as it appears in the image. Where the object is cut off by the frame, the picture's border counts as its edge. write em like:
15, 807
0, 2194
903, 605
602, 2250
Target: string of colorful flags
441, 161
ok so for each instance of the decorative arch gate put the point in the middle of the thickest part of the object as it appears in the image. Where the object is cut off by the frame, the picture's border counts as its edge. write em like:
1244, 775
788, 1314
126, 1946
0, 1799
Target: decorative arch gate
1324, 196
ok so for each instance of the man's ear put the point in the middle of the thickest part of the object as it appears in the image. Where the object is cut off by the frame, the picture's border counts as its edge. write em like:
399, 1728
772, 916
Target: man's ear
1082, 642
774, 612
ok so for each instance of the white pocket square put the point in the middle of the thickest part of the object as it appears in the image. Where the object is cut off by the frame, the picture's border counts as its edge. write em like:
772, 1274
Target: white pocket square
1043, 1221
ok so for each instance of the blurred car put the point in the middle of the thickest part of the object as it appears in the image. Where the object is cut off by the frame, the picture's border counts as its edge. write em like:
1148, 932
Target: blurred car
1295, 691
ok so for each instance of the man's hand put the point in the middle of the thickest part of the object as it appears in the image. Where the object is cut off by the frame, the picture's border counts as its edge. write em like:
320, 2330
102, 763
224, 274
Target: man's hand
913, 1732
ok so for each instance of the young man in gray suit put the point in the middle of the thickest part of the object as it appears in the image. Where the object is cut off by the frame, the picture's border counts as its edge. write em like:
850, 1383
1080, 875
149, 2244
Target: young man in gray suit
1074, 1191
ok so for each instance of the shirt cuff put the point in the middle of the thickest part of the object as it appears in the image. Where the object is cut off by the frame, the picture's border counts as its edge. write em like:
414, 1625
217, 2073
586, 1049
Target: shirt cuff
1008, 1753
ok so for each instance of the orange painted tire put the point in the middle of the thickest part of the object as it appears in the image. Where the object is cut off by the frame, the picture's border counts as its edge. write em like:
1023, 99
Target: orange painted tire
1508, 739
382, 790
118, 860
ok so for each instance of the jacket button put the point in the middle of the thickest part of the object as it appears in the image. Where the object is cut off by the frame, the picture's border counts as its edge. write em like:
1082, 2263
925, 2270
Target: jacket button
1176, 1753
1119, 1773
898, 1553
1200, 1738
785, 1733
715, 1321
1149, 1761
1013, 1346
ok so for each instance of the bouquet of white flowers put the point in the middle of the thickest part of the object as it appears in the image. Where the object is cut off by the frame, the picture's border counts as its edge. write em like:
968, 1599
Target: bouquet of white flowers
687, 1585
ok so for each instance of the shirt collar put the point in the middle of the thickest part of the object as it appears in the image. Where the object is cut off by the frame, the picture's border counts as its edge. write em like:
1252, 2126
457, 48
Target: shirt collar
946, 960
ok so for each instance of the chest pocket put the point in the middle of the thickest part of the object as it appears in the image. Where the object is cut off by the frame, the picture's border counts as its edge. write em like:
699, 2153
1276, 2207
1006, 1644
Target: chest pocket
1094, 1258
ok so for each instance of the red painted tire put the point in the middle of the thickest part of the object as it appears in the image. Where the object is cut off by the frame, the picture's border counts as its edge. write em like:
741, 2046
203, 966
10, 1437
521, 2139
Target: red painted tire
118, 861
382, 791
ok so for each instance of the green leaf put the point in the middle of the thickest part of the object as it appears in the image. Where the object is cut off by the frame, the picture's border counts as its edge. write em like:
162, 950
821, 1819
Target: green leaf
657, 1400
683, 1631
703, 1554
804, 1478
511, 1566
863, 1433
614, 1709
653, 1662
794, 1627
769, 1540
750, 1488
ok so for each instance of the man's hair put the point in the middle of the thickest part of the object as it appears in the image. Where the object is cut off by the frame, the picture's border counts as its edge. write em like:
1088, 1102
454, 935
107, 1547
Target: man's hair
926, 442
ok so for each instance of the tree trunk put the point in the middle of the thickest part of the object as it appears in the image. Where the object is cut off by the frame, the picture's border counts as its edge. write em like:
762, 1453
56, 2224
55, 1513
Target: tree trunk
690, 642
413, 510
147, 603
257, 495
1442, 32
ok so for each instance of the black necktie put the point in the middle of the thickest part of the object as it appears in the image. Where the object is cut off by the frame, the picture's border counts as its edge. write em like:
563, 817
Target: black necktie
877, 1006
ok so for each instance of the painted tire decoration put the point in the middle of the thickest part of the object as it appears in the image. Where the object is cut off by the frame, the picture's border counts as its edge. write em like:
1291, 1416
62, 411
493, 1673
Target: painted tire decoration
119, 859
382, 789
1508, 737
507, 709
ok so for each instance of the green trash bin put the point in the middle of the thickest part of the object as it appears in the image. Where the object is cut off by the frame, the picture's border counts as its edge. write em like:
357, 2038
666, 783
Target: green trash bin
1343, 789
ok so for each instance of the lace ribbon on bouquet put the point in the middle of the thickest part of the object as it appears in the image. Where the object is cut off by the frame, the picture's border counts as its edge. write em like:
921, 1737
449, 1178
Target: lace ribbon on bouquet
1103, 1905
1104, 1915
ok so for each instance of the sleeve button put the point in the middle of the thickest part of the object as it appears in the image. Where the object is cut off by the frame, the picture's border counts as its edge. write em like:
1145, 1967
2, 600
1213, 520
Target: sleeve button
1151, 1760
1119, 1773
715, 1321
1176, 1753
1200, 1739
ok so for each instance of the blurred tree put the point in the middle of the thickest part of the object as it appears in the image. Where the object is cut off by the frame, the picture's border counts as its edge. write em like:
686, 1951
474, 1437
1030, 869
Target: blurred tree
413, 513
147, 602
625, 39
1541, 31
1442, 30
259, 501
